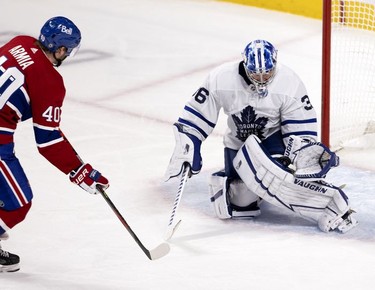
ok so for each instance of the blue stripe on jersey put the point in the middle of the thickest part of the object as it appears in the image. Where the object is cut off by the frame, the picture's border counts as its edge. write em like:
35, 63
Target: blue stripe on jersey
6, 84
191, 110
19, 100
301, 133
13, 197
314, 120
188, 123
44, 136
274, 143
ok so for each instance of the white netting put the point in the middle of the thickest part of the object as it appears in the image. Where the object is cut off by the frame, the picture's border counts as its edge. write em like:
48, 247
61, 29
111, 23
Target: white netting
352, 112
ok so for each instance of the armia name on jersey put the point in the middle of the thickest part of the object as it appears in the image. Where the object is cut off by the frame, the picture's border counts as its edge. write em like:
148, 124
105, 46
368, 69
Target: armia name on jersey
21, 56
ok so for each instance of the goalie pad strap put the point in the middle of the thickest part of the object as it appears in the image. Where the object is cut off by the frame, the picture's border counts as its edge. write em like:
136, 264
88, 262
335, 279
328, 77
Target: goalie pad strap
218, 196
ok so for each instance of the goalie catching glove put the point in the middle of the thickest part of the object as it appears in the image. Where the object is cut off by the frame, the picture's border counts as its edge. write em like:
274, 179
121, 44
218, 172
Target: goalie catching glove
187, 150
88, 178
308, 160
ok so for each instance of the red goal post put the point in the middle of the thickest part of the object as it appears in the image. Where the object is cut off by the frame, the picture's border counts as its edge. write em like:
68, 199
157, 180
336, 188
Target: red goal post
348, 71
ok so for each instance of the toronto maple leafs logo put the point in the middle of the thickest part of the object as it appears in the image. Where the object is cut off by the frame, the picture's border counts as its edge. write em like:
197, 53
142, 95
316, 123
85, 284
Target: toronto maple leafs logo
248, 123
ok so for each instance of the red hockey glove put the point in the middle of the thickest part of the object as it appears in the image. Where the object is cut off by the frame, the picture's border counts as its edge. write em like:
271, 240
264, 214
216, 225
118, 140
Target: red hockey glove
88, 178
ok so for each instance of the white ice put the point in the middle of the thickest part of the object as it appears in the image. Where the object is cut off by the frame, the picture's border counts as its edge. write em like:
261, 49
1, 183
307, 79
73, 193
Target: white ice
139, 62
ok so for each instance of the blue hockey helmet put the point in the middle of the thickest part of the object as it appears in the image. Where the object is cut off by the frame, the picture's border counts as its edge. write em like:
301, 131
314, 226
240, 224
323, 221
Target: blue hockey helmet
60, 31
260, 58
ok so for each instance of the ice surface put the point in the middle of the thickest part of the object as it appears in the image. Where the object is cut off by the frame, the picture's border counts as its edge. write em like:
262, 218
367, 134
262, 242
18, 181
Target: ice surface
139, 63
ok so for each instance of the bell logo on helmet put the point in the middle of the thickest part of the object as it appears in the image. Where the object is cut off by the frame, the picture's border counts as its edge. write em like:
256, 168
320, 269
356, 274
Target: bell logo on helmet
65, 29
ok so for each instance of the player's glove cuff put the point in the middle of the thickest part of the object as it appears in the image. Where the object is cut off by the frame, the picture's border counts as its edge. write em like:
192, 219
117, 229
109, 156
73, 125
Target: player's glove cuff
88, 178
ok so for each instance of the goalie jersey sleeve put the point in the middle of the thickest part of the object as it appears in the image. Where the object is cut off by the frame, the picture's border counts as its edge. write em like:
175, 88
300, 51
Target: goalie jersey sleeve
34, 89
285, 111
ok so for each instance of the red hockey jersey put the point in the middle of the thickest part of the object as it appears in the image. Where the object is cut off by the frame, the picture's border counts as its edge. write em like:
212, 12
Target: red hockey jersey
31, 87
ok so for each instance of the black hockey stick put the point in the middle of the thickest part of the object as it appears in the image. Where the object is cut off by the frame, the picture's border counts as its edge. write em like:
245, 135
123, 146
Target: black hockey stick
159, 252
172, 227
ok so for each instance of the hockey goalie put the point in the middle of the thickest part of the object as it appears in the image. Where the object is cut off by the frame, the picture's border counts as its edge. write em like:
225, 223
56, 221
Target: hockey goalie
270, 148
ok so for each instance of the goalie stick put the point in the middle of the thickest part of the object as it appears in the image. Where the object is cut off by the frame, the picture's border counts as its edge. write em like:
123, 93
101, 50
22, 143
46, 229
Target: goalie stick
172, 227
159, 252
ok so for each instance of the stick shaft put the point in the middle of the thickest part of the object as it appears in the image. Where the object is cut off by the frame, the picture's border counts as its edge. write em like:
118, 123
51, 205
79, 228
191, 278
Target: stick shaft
123, 221
156, 253
171, 228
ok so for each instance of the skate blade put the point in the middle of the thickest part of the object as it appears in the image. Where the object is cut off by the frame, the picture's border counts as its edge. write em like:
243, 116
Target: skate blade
9, 268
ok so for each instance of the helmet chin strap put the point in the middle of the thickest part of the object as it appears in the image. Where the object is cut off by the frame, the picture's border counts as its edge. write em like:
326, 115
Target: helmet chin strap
58, 62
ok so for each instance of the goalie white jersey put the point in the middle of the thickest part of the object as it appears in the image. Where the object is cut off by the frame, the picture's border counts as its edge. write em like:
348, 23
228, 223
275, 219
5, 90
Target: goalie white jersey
285, 111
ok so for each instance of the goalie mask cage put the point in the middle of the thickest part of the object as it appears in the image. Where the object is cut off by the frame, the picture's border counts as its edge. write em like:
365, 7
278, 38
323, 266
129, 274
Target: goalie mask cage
348, 71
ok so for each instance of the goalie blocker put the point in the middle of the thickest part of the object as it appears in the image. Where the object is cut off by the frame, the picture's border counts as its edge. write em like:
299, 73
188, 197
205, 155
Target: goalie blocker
314, 200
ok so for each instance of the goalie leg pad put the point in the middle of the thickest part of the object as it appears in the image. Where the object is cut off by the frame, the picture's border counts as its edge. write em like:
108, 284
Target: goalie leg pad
243, 201
329, 221
218, 195
232, 198
272, 182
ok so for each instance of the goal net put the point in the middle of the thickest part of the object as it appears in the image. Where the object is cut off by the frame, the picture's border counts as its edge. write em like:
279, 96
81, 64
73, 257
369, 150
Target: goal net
348, 75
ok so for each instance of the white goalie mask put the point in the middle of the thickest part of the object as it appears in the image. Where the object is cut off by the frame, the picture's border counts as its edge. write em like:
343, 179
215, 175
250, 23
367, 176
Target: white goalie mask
260, 58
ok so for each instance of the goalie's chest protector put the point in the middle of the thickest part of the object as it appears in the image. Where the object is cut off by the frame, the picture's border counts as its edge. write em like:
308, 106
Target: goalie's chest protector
247, 112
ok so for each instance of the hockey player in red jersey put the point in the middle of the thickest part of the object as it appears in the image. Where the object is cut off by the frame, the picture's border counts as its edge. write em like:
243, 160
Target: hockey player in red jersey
31, 87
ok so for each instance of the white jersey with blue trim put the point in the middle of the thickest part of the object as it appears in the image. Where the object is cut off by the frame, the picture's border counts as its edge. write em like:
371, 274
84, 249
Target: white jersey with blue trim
285, 111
